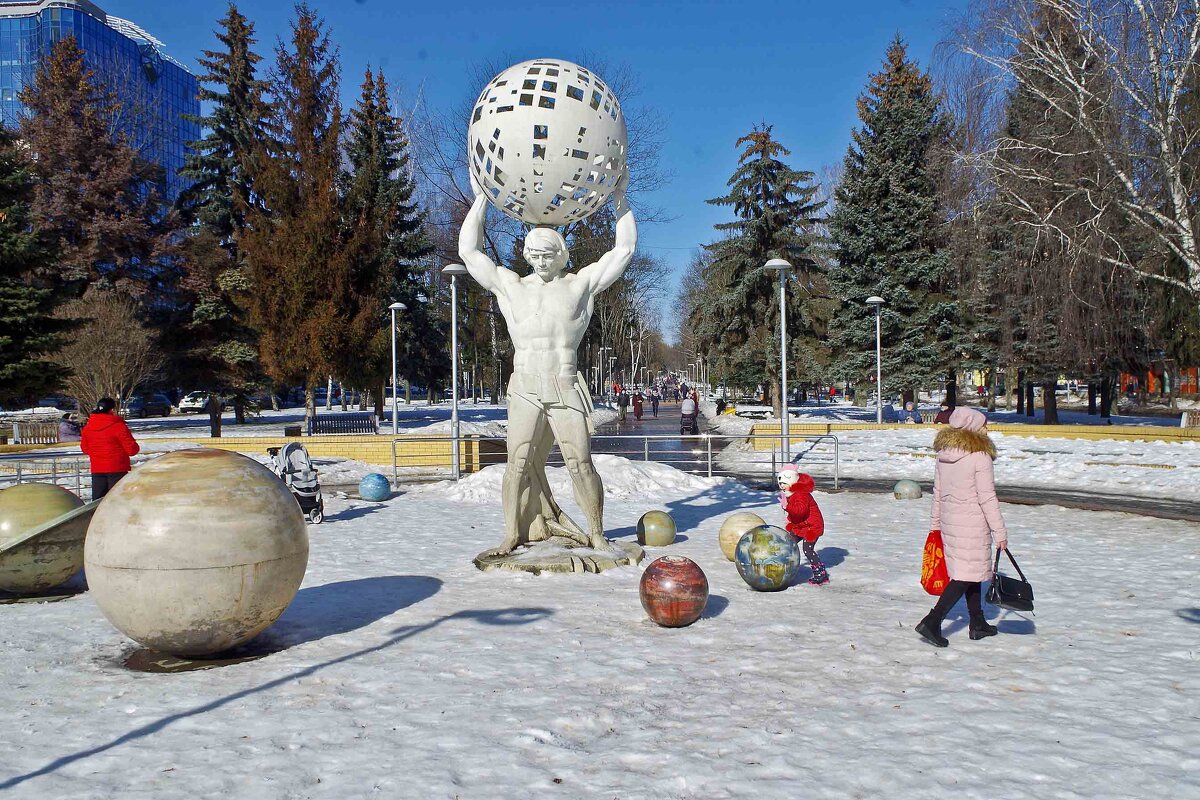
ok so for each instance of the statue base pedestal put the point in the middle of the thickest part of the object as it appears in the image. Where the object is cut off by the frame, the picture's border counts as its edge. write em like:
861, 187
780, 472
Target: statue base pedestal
554, 555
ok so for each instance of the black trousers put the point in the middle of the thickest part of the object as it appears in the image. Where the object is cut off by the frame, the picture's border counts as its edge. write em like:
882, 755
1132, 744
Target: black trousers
103, 481
954, 591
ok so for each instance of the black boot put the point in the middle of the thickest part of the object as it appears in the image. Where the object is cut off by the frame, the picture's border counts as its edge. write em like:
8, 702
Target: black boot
980, 629
932, 633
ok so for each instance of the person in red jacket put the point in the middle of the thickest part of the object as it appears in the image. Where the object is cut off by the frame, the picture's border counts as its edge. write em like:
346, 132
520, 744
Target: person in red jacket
804, 518
108, 444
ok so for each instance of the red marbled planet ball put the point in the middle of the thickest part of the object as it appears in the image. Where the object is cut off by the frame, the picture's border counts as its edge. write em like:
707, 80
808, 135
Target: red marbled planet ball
674, 591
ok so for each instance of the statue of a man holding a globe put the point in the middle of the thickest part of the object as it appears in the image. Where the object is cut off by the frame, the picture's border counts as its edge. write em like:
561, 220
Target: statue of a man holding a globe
547, 146
547, 313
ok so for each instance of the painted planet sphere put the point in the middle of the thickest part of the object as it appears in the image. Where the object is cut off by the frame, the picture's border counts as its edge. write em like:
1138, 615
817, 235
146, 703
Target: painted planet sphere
374, 487
734, 528
196, 551
547, 142
907, 490
35, 566
767, 558
656, 529
674, 591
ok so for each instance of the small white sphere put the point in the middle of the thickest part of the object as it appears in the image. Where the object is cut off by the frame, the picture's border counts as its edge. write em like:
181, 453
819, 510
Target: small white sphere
547, 142
734, 527
196, 551
906, 490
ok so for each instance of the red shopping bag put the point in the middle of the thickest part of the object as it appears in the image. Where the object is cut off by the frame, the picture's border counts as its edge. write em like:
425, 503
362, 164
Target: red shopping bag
933, 565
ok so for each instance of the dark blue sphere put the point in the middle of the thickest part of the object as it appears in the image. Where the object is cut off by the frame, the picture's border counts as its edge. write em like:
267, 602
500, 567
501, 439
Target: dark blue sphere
374, 487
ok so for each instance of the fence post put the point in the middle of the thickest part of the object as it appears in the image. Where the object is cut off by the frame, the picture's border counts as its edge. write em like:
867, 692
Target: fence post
837, 462
708, 447
646, 448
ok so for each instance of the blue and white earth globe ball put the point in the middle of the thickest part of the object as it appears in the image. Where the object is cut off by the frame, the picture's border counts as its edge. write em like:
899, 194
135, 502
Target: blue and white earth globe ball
907, 490
547, 142
375, 488
767, 558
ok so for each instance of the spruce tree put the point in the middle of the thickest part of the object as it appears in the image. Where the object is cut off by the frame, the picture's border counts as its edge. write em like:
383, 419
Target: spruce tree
95, 199
775, 218
385, 246
887, 235
217, 345
28, 329
293, 240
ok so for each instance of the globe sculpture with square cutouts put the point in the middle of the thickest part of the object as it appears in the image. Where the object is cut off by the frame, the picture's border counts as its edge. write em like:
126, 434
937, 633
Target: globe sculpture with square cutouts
547, 142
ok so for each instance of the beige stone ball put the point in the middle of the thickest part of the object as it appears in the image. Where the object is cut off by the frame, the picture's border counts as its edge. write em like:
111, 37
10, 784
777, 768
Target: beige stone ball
33, 565
734, 527
196, 551
656, 529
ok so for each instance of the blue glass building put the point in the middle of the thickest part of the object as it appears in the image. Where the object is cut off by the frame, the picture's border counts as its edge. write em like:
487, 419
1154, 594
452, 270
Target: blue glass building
155, 90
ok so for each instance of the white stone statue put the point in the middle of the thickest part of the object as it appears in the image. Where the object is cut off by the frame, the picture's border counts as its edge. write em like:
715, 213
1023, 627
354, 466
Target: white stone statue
547, 313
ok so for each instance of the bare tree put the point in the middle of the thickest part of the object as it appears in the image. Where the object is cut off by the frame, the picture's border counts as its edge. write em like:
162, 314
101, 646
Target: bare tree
111, 352
1121, 73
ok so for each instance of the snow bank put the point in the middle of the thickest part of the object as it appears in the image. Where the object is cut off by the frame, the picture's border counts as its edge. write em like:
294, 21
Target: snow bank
622, 478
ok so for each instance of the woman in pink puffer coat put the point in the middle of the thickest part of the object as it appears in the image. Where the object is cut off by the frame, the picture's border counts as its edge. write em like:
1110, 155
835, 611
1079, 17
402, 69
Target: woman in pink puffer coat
966, 511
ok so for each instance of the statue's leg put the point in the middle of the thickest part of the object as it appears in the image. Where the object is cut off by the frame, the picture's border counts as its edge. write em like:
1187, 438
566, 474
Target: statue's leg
569, 424
526, 425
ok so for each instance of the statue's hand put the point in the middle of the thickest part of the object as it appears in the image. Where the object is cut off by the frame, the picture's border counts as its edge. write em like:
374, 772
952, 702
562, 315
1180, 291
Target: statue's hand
475, 187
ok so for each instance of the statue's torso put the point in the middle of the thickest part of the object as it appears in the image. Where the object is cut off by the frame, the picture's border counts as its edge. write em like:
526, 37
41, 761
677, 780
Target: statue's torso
547, 322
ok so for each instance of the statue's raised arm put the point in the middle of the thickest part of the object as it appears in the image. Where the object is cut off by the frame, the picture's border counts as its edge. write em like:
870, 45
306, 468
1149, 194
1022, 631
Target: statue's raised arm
470, 246
612, 265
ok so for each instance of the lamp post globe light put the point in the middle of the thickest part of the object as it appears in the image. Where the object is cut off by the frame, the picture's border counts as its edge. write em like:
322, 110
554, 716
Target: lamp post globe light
877, 302
394, 307
783, 267
454, 270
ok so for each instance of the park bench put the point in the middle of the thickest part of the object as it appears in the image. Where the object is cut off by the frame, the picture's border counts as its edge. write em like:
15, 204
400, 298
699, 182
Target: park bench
35, 433
1190, 419
343, 424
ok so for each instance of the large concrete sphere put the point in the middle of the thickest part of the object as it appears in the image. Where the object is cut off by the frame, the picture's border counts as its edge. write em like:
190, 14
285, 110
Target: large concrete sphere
907, 490
41, 565
196, 551
547, 142
656, 529
767, 558
734, 528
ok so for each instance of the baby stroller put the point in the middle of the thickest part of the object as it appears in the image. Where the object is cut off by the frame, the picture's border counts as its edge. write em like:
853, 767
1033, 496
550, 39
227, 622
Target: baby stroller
689, 424
295, 468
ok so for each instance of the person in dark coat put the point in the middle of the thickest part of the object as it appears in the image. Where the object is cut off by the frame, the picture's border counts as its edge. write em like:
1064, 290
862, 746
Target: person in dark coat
107, 442
68, 429
943, 415
622, 404
637, 405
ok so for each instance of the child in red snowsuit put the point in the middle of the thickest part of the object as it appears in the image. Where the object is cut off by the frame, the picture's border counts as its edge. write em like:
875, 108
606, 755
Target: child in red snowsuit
804, 518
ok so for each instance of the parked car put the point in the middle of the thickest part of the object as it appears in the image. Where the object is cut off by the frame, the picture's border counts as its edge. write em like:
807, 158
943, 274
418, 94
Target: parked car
193, 402
59, 401
147, 405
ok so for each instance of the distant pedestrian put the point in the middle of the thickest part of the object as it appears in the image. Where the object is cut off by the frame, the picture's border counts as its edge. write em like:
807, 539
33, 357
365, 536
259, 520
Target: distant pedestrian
943, 415
910, 414
622, 404
967, 513
107, 442
637, 405
655, 396
68, 429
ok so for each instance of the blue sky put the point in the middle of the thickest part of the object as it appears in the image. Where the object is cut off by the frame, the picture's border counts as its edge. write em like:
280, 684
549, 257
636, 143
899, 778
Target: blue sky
712, 68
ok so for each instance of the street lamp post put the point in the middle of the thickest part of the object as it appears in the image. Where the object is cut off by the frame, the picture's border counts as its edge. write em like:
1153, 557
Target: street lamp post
607, 393
454, 270
394, 307
877, 302
783, 267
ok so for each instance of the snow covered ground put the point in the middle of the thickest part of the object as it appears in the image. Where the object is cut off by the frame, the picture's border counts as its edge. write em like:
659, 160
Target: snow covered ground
406, 673
1145, 469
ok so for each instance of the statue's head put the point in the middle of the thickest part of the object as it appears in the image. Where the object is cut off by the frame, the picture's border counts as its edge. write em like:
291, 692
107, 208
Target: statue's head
546, 251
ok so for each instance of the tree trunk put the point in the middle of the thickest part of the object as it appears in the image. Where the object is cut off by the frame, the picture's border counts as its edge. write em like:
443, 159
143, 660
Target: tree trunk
1050, 403
239, 409
343, 396
992, 386
310, 403
952, 387
329, 393
1091, 399
380, 411
1029, 402
1106, 397
214, 416
274, 398
1020, 391
407, 392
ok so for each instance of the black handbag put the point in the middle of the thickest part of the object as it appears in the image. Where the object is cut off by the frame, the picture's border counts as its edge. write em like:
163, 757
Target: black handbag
1009, 592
